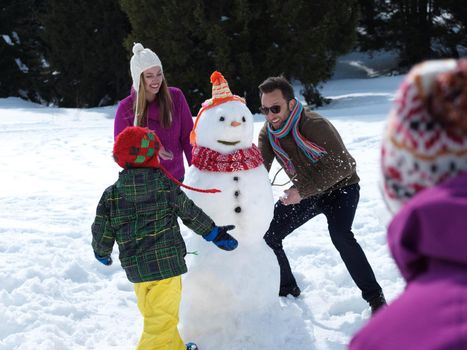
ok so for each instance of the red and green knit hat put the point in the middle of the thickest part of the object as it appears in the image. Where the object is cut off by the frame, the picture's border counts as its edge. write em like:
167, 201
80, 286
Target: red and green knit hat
138, 147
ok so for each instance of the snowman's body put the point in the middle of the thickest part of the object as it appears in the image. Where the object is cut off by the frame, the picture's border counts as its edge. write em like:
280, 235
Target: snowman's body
245, 200
240, 286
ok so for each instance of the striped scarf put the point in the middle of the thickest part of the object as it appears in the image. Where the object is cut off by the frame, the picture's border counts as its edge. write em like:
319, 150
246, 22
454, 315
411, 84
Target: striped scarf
311, 150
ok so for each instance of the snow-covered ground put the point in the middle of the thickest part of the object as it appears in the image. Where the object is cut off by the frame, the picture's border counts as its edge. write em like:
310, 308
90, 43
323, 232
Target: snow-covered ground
54, 165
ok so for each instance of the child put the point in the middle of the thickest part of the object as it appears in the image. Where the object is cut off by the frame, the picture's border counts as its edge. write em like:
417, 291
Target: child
424, 166
140, 212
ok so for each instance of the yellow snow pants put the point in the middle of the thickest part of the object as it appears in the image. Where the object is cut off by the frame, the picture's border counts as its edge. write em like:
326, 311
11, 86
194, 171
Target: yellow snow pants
159, 303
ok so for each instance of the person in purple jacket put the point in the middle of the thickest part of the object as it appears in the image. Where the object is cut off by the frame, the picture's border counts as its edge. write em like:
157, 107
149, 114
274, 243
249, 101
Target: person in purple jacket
159, 107
424, 166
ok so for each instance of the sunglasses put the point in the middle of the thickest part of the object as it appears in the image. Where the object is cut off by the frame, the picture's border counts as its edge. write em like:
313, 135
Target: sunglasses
273, 109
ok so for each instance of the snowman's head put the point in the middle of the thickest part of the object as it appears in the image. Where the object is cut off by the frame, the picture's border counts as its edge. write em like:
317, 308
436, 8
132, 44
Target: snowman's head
226, 127
224, 123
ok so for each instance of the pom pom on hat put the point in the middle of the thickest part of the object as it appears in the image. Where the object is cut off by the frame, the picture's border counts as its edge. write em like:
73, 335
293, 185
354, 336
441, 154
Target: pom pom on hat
220, 94
142, 59
137, 147
425, 140
220, 91
137, 47
448, 102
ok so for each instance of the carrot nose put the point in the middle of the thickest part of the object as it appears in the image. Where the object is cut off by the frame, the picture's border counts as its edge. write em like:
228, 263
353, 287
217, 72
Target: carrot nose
235, 123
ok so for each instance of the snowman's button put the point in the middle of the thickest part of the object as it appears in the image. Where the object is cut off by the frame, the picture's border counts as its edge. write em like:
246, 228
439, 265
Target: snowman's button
237, 193
235, 178
238, 209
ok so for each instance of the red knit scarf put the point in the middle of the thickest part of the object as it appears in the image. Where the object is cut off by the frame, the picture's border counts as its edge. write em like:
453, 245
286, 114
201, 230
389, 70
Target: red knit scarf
210, 160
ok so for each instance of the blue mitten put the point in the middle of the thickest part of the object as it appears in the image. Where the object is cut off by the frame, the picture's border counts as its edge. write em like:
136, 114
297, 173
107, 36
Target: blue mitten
106, 260
221, 238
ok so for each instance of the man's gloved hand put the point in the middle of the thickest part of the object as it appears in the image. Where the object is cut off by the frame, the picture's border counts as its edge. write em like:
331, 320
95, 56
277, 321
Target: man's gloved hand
106, 260
221, 238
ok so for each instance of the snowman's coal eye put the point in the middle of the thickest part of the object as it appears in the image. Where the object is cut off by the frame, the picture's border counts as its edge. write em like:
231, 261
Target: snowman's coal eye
243, 119
221, 119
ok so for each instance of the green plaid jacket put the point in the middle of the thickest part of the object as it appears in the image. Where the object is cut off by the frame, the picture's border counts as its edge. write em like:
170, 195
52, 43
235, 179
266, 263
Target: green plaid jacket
140, 212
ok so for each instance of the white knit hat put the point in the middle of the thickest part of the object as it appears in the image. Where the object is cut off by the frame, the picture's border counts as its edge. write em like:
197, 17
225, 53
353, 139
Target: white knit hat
425, 140
141, 60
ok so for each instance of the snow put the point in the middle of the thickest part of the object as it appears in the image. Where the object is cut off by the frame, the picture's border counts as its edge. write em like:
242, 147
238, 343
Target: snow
55, 164
362, 65
21, 65
7, 39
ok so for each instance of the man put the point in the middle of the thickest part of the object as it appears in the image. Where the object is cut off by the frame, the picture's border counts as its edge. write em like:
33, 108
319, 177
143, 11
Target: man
325, 181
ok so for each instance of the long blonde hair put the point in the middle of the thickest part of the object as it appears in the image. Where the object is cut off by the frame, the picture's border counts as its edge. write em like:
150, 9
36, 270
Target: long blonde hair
164, 99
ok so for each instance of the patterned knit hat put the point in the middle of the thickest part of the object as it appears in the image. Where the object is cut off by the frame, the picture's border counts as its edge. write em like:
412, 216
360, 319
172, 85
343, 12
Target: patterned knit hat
137, 147
220, 94
425, 141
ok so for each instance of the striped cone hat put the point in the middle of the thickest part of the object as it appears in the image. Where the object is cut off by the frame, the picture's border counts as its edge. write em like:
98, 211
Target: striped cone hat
220, 94
220, 87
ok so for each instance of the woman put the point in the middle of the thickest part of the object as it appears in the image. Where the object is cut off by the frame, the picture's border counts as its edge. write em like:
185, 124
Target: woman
159, 107
424, 164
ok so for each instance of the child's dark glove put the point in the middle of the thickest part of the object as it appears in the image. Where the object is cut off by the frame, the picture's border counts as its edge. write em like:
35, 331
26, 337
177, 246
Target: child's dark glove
221, 238
106, 260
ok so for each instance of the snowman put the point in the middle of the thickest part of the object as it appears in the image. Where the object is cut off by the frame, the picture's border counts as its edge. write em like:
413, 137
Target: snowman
226, 294
224, 157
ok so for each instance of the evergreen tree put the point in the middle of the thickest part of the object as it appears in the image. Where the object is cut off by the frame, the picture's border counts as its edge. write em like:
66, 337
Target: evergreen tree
10, 72
21, 62
85, 51
171, 28
312, 35
451, 16
244, 39
39, 80
418, 29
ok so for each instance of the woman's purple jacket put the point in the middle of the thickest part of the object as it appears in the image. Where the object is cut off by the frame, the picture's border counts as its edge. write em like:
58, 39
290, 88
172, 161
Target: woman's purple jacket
428, 240
175, 139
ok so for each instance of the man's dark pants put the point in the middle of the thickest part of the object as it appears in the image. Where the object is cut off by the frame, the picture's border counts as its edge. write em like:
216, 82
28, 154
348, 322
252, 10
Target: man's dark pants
339, 207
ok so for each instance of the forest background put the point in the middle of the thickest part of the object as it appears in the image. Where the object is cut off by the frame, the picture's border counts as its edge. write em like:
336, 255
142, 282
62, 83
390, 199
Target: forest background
76, 53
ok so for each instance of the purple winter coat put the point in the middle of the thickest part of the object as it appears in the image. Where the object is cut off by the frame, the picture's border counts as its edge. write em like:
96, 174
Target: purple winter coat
175, 139
428, 240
